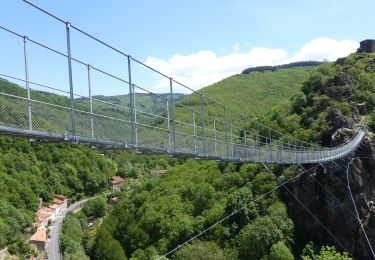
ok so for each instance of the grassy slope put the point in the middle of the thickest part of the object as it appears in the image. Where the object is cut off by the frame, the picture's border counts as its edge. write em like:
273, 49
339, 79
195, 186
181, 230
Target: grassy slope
255, 93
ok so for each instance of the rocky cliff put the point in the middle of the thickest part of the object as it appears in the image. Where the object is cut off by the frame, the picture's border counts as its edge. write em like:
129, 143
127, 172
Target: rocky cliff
343, 97
324, 192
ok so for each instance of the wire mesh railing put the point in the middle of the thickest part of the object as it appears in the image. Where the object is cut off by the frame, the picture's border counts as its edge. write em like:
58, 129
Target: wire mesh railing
196, 125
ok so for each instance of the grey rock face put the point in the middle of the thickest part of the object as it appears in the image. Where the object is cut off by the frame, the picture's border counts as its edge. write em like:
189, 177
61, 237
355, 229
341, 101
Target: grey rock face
325, 194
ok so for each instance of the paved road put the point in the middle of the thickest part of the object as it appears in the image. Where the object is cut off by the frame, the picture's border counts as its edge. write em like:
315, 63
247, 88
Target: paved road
53, 248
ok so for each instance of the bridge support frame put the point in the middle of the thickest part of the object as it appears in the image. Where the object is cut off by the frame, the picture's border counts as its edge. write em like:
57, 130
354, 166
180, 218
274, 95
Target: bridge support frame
203, 126
243, 117
90, 100
226, 130
215, 137
72, 111
194, 131
133, 118
25, 40
168, 125
172, 115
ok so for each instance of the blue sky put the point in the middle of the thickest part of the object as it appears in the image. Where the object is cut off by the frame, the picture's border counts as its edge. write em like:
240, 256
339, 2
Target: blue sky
197, 42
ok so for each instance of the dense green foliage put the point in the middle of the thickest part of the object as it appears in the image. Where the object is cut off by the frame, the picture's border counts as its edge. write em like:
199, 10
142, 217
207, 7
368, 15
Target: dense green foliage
72, 238
96, 207
158, 214
311, 252
161, 213
28, 172
335, 95
200, 250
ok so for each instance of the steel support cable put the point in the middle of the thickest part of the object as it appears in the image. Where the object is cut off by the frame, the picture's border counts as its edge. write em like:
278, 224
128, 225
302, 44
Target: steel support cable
356, 217
109, 46
332, 196
143, 64
63, 91
82, 63
326, 229
334, 175
356, 210
235, 212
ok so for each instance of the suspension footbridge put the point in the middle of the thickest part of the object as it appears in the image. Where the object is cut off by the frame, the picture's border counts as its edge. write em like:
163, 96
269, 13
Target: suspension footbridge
201, 128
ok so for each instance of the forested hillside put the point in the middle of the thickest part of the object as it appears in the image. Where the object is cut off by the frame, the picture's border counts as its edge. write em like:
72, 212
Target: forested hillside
157, 214
337, 100
163, 213
28, 172
32, 171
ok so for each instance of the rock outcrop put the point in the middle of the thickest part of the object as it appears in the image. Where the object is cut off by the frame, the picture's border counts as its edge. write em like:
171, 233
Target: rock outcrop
324, 192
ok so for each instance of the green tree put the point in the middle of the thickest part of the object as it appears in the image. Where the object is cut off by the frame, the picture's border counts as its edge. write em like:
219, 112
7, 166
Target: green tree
96, 207
280, 251
200, 250
238, 199
325, 253
106, 247
256, 239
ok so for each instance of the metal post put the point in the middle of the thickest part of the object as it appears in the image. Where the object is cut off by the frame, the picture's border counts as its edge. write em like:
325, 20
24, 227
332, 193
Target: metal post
90, 100
258, 142
231, 141
135, 115
215, 138
295, 144
72, 112
270, 143
194, 132
321, 151
226, 130
172, 114
203, 129
25, 39
131, 105
244, 137
168, 125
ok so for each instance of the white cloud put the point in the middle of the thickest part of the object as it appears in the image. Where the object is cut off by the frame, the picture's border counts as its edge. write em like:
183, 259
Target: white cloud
206, 67
325, 48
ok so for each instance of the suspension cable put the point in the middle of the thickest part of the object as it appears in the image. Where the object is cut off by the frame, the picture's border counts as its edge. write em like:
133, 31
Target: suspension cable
330, 193
326, 229
235, 111
355, 207
235, 212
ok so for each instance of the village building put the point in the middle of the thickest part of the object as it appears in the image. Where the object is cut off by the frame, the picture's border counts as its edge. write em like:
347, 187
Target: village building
62, 201
50, 212
39, 240
56, 208
116, 183
42, 219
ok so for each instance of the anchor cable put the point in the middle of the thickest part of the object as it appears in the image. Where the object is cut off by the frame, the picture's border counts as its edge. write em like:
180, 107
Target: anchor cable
235, 212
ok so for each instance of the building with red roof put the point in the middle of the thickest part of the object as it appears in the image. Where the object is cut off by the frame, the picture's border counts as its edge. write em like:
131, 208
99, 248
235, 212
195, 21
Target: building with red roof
116, 183
39, 239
